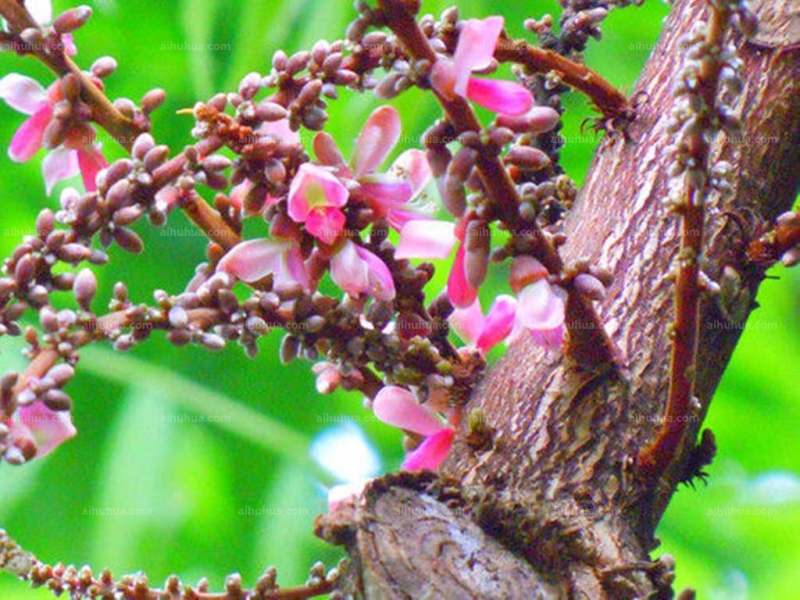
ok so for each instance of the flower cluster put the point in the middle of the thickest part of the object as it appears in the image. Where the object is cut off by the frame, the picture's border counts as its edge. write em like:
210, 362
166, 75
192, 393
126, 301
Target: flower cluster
58, 120
325, 215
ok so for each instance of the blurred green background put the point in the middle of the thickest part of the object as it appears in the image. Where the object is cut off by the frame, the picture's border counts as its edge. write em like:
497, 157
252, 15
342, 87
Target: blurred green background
199, 464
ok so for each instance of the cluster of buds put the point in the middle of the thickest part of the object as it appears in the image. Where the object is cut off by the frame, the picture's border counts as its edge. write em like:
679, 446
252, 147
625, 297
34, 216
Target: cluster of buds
326, 217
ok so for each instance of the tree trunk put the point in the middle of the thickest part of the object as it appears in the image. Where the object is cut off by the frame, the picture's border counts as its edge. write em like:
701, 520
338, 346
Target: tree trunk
557, 486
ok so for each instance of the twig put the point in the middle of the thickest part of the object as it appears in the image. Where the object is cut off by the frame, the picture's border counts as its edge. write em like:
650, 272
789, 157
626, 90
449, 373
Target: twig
654, 459
612, 102
82, 583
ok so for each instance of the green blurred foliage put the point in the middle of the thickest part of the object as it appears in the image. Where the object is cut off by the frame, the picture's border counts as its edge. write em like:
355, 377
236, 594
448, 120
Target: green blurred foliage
206, 454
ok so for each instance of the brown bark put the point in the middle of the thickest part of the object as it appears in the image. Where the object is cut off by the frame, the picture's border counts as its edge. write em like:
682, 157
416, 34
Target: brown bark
558, 486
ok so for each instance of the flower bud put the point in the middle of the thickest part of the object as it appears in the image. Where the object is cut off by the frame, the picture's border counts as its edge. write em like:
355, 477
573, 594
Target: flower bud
45, 223
527, 158
72, 19
250, 85
103, 67
477, 243
143, 144
128, 240
156, 157
270, 111
57, 400
85, 288
152, 100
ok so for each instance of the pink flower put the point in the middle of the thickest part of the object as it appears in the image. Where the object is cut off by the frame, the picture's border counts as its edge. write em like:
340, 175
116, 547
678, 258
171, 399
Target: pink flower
391, 194
485, 332
398, 407
254, 259
540, 306
476, 45
27, 96
315, 197
435, 239
38, 427
358, 271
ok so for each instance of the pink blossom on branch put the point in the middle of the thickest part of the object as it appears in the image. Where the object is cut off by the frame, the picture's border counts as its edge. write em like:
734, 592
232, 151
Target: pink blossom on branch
477, 41
435, 239
485, 332
255, 259
390, 195
398, 407
541, 306
35, 426
74, 156
359, 272
315, 197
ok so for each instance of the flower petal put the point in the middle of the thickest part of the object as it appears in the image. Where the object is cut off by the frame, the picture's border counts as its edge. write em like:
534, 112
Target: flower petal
28, 138
399, 218
255, 259
58, 165
376, 140
426, 239
386, 190
49, 428
311, 187
327, 151
500, 96
498, 324
460, 292
379, 277
540, 308
325, 223
398, 407
468, 322
413, 166
349, 271
90, 162
430, 454
22, 93
476, 44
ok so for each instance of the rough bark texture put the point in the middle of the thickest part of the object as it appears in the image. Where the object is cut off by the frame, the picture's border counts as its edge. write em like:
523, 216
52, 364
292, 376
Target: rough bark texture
558, 487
